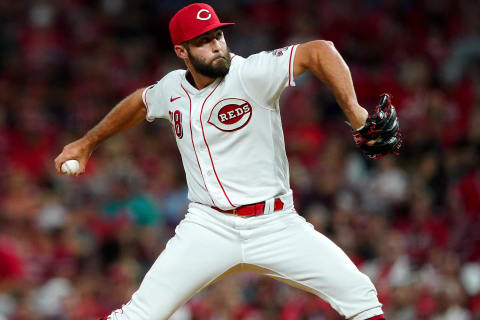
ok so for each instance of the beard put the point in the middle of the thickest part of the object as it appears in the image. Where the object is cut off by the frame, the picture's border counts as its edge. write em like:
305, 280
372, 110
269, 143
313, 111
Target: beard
209, 69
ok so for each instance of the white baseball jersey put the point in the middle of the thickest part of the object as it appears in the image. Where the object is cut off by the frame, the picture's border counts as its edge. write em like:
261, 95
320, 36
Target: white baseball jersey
230, 138
229, 133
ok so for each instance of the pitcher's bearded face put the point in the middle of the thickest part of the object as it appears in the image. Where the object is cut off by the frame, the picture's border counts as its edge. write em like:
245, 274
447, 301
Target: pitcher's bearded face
218, 66
209, 54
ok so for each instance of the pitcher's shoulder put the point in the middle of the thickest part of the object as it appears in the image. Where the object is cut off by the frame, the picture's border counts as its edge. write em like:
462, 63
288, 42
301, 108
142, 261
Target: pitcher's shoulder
236, 60
174, 76
171, 79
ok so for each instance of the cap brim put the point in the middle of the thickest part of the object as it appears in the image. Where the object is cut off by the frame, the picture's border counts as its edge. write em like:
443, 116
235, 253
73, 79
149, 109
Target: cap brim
212, 27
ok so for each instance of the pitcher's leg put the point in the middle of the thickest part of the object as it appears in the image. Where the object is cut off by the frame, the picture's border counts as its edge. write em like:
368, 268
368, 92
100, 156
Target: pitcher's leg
194, 257
297, 254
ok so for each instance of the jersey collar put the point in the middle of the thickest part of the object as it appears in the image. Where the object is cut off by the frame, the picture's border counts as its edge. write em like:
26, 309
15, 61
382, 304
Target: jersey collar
192, 90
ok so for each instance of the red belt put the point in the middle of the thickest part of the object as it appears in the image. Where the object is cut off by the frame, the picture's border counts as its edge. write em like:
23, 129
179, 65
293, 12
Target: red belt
251, 210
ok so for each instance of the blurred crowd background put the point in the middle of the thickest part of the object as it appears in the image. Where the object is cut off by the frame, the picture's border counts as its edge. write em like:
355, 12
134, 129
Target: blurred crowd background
77, 248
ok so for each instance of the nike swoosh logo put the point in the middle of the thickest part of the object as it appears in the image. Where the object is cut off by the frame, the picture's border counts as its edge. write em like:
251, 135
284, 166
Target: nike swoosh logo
173, 99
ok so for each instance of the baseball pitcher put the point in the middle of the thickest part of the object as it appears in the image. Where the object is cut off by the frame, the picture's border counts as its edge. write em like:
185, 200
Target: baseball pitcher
225, 114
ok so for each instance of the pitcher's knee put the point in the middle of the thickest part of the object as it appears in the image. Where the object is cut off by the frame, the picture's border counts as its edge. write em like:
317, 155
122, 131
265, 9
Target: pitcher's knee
356, 296
364, 290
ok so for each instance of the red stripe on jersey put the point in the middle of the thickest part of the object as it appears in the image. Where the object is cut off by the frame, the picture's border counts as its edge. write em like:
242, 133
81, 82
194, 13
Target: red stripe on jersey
290, 67
193, 145
379, 317
208, 148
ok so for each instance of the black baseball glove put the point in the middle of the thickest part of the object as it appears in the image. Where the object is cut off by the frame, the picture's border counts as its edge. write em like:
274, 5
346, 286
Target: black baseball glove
380, 135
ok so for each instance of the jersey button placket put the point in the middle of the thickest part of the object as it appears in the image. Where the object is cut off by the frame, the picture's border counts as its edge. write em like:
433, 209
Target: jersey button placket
205, 162
197, 140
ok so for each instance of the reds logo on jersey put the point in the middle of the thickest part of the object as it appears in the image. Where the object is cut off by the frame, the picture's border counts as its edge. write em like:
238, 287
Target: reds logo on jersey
230, 114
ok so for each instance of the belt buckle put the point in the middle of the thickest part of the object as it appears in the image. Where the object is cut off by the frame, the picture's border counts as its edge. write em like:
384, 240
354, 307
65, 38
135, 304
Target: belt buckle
235, 213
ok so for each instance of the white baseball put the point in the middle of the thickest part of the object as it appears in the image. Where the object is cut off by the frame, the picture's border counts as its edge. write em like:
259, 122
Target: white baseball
70, 167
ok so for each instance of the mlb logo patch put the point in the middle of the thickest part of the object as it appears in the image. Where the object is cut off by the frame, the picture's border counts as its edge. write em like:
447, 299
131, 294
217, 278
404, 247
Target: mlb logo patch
278, 52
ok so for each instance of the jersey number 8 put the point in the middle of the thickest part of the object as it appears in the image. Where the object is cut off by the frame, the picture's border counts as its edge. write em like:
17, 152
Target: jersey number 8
176, 120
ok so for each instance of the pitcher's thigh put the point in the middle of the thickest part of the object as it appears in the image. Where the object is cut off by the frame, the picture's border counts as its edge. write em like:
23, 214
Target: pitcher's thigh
305, 258
192, 259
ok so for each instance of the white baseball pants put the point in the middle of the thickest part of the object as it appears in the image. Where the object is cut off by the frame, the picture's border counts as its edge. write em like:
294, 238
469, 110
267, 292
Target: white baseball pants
281, 244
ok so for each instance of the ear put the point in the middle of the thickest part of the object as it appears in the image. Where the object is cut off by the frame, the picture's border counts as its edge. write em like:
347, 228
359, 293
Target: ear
181, 52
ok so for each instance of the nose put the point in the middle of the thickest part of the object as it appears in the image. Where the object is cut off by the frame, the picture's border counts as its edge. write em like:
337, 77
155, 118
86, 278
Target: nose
215, 45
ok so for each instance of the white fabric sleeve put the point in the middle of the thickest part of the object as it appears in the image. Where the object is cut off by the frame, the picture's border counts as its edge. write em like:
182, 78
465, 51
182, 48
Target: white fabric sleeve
264, 75
154, 102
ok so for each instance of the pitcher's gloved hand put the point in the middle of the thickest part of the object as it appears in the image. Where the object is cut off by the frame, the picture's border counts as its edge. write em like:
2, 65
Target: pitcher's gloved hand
380, 135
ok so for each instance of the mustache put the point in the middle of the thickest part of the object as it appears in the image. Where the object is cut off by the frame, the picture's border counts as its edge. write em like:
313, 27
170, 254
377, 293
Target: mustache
218, 57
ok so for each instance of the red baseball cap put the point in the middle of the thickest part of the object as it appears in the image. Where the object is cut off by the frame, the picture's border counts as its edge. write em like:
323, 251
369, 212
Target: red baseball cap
192, 21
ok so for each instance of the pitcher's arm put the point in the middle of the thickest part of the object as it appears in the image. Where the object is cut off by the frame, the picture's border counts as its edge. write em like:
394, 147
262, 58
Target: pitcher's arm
126, 114
327, 64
